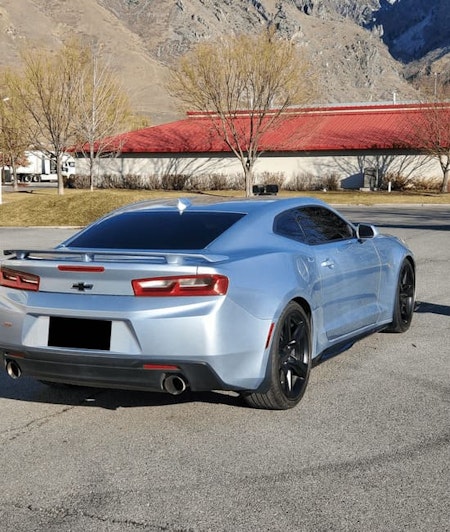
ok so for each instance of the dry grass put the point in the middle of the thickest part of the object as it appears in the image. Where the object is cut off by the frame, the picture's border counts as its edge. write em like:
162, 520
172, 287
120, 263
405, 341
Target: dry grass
44, 207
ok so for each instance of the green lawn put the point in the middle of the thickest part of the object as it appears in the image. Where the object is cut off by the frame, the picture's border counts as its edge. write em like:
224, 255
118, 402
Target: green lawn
44, 207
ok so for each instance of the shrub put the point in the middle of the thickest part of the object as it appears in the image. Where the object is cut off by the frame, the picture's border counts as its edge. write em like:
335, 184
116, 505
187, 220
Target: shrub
236, 181
108, 181
208, 182
427, 184
398, 182
217, 182
153, 182
174, 182
329, 182
271, 178
301, 182
76, 181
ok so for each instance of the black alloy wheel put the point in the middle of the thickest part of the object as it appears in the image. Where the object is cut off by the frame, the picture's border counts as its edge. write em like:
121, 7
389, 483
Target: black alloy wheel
289, 362
405, 299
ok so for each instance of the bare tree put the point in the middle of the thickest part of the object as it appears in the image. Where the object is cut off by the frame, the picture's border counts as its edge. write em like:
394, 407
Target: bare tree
48, 90
435, 131
16, 128
103, 111
432, 132
393, 166
243, 84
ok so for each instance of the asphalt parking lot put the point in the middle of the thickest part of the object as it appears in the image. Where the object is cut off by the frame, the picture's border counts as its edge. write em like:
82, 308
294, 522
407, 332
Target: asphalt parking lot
367, 449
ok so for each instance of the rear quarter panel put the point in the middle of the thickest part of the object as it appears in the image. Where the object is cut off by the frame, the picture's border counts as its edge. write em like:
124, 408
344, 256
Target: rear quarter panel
264, 283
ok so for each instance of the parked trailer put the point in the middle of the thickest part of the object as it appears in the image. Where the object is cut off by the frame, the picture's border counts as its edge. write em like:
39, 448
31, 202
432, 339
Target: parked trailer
42, 168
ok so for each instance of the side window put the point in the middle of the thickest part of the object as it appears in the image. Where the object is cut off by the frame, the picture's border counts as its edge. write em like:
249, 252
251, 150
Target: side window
286, 224
312, 225
322, 225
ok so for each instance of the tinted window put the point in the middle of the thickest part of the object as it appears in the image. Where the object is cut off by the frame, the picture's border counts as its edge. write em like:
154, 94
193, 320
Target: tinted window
287, 224
157, 230
312, 225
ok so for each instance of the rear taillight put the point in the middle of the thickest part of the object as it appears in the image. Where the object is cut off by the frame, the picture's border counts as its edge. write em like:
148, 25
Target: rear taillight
17, 279
187, 285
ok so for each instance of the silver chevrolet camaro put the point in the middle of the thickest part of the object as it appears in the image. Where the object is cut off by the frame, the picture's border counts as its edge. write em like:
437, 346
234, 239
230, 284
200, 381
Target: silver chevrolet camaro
242, 295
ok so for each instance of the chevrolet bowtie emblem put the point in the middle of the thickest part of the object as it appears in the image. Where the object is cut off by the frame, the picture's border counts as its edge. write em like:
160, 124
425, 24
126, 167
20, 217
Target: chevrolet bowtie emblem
81, 287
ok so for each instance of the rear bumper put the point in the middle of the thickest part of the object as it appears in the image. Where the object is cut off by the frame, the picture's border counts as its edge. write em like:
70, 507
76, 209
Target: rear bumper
104, 341
110, 372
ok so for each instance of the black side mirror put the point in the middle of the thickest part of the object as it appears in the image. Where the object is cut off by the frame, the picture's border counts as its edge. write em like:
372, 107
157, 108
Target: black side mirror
365, 231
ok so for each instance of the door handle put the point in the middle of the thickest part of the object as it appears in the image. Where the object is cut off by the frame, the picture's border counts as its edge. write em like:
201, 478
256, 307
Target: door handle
327, 263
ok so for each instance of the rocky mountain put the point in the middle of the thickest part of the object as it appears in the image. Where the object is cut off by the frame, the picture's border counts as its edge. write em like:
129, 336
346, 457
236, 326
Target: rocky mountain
363, 50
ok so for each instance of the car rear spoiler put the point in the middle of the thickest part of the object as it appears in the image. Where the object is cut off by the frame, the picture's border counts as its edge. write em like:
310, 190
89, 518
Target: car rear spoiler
83, 255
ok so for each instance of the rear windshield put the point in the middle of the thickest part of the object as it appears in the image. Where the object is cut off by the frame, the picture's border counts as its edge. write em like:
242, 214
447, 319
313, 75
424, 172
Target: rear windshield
157, 230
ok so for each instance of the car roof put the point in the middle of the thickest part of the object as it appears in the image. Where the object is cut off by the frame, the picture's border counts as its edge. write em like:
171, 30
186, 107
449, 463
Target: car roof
220, 204
254, 230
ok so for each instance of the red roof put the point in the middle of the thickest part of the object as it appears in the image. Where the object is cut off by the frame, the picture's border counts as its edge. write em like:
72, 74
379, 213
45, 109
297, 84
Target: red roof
297, 130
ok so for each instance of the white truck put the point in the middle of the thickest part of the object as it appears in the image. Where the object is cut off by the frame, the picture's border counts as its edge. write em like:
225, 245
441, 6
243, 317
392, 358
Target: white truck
42, 168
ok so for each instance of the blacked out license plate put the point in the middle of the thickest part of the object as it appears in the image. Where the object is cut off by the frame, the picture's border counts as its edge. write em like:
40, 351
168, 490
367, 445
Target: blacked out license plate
79, 333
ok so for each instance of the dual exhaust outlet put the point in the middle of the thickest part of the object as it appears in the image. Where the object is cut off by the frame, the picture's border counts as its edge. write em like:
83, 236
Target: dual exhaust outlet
173, 384
13, 369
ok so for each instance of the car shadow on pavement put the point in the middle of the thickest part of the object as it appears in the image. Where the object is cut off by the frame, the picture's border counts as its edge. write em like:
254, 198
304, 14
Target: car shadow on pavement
422, 307
115, 399
30, 390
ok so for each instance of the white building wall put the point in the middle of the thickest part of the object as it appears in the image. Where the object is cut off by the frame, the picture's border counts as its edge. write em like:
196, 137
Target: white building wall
349, 170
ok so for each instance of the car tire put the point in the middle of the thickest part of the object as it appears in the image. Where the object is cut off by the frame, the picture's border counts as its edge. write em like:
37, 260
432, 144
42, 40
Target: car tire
289, 362
404, 299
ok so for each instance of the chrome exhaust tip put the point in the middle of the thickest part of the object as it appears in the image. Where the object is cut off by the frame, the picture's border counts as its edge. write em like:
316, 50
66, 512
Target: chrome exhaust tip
174, 384
13, 369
